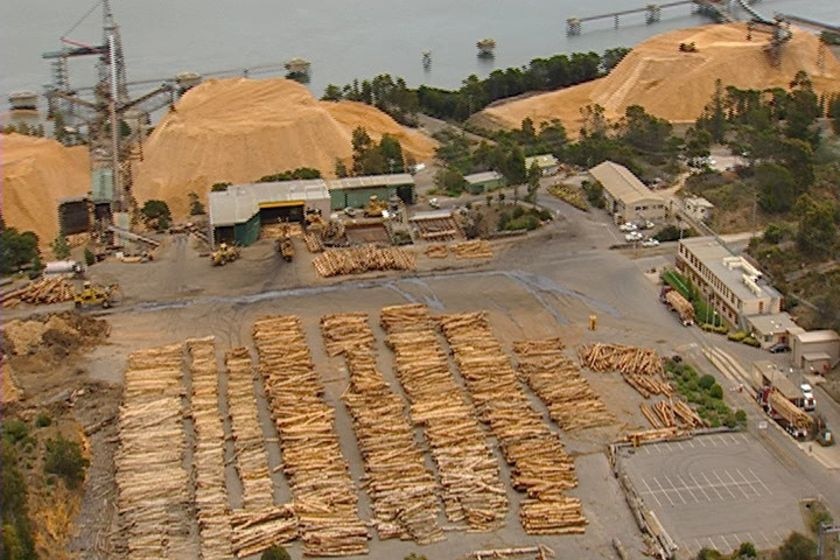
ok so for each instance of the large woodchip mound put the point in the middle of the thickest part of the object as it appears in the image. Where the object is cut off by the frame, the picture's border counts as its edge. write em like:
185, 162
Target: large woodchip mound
36, 173
676, 85
240, 129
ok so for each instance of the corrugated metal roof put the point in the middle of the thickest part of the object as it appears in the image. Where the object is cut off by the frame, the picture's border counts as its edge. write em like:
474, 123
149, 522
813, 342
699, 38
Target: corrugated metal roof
239, 203
370, 181
543, 160
482, 177
621, 183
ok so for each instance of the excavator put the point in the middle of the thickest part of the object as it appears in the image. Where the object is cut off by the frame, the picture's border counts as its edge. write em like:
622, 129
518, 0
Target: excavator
224, 254
95, 294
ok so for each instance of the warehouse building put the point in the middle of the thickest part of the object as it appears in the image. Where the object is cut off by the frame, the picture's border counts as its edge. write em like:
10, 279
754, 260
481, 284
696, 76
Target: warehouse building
736, 289
485, 181
547, 164
815, 351
236, 214
355, 192
628, 199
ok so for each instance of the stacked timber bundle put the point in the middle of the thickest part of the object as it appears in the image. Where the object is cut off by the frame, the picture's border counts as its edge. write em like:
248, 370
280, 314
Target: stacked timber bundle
256, 530
248, 440
540, 465
654, 435
475, 249
43, 291
672, 413
789, 411
640, 367
471, 487
325, 498
313, 243
570, 400
403, 492
152, 483
437, 251
211, 497
361, 259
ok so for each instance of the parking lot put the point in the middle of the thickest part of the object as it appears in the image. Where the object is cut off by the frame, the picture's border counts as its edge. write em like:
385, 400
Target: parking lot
717, 491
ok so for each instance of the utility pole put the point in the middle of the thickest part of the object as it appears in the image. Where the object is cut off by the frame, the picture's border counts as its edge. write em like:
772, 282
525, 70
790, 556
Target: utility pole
826, 529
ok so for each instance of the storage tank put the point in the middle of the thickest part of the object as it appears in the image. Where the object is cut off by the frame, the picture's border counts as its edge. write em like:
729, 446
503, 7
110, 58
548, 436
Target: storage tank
62, 267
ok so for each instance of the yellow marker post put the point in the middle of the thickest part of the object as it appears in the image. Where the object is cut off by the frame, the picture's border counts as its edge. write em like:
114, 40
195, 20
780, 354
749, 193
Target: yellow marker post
593, 322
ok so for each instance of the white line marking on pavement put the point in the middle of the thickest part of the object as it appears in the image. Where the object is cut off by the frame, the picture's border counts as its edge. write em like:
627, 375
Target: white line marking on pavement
663, 491
737, 484
679, 494
731, 493
700, 441
692, 491
712, 486
744, 478
732, 437
650, 491
760, 482
727, 546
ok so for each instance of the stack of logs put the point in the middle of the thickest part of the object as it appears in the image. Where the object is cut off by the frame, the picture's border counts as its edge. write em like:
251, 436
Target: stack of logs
654, 435
313, 242
475, 249
570, 400
671, 413
539, 463
43, 291
640, 367
361, 259
402, 490
257, 523
324, 495
471, 487
152, 482
211, 497
437, 251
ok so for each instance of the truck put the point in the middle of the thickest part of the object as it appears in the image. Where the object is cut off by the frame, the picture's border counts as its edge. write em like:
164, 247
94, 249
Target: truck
782, 400
65, 267
677, 303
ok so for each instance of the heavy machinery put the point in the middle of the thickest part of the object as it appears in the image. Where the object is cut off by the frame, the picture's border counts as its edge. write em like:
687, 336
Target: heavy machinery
94, 294
375, 207
284, 244
676, 302
688, 47
224, 254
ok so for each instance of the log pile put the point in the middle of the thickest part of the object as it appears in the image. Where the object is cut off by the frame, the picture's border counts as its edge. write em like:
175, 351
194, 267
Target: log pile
570, 400
325, 499
672, 413
437, 251
248, 440
403, 492
654, 435
471, 488
313, 243
640, 367
208, 465
361, 259
475, 249
540, 465
43, 291
539, 552
152, 482
255, 531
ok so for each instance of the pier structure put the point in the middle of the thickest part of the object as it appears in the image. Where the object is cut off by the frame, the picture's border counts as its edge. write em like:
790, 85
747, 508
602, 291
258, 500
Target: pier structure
652, 13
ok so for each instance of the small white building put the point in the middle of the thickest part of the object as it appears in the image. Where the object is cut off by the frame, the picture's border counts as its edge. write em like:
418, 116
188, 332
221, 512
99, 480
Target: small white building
547, 164
772, 328
815, 351
628, 199
698, 208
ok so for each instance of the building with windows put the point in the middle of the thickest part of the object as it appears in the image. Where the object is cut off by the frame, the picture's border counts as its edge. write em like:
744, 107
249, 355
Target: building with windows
698, 208
734, 287
355, 192
628, 199
485, 181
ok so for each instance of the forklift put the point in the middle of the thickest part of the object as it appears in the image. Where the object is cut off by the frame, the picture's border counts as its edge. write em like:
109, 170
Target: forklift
92, 295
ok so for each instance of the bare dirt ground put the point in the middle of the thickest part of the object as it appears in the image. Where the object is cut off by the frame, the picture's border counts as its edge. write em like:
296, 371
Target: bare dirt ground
547, 284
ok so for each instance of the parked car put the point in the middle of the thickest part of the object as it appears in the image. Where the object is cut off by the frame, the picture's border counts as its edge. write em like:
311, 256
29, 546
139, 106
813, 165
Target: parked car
650, 242
633, 236
779, 348
627, 226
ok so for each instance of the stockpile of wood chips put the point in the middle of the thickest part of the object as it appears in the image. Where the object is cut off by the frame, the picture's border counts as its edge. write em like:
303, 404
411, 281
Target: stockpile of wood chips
248, 439
152, 483
313, 242
540, 465
325, 499
475, 249
403, 492
671, 413
43, 291
361, 259
437, 251
640, 367
211, 497
471, 486
570, 400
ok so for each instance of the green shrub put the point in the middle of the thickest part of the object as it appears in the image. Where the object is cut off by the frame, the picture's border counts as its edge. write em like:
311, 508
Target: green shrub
716, 392
750, 341
797, 547
43, 420
721, 329
90, 258
15, 430
709, 554
746, 550
706, 381
741, 417
276, 552
529, 222
737, 336
817, 518
64, 458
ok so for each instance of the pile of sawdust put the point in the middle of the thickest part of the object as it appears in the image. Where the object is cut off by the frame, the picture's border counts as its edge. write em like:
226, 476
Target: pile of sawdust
676, 85
61, 332
36, 173
239, 130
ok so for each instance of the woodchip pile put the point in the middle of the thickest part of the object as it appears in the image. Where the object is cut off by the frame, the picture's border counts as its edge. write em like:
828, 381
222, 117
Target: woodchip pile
437, 251
475, 249
248, 439
471, 487
211, 497
361, 259
570, 400
672, 413
152, 483
640, 367
325, 499
403, 491
43, 291
540, 465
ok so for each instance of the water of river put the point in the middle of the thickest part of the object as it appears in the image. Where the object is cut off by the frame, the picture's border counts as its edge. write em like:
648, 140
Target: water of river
343, 39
